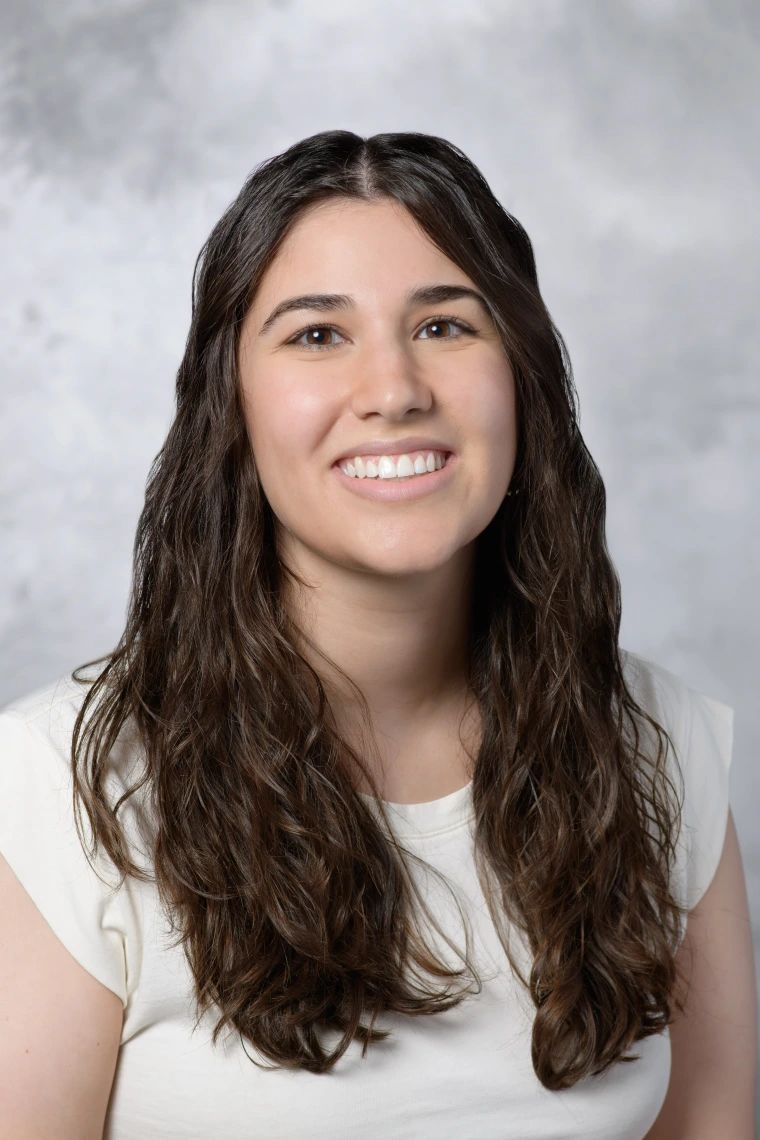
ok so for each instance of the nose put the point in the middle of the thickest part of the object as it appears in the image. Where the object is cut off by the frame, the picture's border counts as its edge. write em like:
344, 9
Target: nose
388, 382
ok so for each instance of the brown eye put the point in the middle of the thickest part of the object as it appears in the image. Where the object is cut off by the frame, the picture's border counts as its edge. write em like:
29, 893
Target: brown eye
318, 336
442, 330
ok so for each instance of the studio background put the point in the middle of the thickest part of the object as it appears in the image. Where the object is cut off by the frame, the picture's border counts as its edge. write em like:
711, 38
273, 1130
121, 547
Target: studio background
622, 135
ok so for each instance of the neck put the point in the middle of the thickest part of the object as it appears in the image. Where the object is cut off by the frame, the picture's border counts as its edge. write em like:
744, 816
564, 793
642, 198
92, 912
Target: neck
404, 641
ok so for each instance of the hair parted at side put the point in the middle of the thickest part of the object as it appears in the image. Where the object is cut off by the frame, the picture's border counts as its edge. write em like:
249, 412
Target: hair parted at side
293, 902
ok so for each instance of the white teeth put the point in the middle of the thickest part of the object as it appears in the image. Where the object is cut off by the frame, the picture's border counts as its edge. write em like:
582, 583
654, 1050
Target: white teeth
390, 467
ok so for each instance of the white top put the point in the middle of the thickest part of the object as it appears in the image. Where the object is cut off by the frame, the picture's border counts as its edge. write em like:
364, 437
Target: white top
464, 1073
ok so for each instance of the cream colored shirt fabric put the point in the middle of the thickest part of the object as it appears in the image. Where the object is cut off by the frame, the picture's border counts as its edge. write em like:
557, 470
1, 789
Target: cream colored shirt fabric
465, 1074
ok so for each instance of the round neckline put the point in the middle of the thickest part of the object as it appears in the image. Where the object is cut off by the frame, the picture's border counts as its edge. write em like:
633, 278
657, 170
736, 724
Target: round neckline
433, 817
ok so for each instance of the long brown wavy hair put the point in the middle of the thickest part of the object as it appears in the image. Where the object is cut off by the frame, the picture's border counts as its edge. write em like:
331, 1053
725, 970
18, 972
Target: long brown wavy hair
293, 900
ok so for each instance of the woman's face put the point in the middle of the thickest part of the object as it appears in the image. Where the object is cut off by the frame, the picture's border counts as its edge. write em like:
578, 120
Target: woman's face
364, 340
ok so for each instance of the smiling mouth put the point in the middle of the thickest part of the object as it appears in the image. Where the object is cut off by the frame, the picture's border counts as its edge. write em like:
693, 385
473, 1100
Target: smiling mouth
404, 467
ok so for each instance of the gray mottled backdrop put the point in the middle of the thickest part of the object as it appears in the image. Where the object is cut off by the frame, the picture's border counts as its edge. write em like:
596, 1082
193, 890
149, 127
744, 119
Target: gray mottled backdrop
624, 137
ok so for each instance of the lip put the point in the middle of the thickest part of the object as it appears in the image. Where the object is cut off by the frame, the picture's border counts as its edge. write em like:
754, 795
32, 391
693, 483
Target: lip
399, 491
400, 447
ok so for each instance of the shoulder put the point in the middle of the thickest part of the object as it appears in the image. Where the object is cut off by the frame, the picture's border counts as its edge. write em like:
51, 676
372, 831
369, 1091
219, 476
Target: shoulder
661, 693
693, 719
36, 738
43, 720
35, 745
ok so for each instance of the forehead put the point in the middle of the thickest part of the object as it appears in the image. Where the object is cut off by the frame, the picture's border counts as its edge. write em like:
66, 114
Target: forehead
356, 247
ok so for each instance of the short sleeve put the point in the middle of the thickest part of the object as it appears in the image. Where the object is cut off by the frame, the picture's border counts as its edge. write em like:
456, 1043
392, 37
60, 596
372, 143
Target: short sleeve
707, 760
701, 729
38, 838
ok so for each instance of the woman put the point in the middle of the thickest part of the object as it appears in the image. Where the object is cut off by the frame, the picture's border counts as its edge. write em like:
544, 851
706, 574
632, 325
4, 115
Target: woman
375, 831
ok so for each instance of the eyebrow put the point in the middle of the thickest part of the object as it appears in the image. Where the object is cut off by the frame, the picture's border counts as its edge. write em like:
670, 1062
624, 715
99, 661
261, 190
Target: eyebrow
333, 302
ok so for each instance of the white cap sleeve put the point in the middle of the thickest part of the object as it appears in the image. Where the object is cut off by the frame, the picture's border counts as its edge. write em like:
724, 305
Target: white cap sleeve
38, 839
706, 760
701, 729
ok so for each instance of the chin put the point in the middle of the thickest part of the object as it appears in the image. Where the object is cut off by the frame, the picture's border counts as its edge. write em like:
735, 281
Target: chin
404, 563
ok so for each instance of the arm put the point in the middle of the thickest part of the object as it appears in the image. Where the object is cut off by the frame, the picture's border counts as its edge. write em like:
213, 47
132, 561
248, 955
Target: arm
59, 1029
714, 1045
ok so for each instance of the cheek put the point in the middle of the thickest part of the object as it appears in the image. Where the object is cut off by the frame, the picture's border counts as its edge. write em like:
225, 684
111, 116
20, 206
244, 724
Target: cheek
487, 407
286, 424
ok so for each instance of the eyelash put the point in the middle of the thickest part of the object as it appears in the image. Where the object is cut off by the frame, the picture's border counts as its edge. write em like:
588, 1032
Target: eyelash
441, 319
